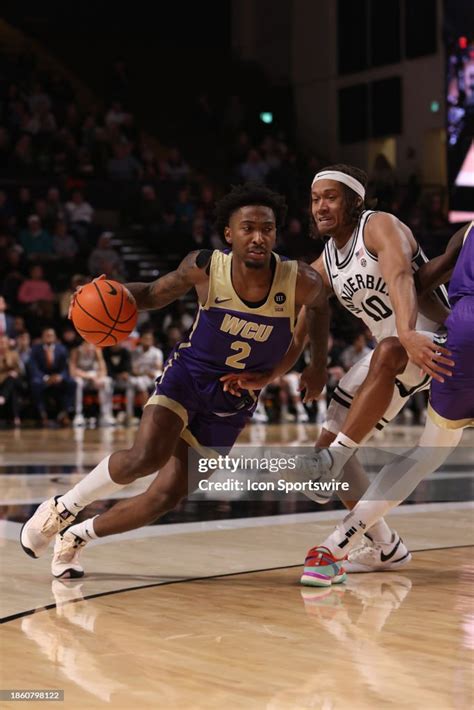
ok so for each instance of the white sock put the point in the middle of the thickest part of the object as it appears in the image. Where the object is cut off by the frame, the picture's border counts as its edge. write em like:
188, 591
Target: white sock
360, 520
84, 530
380, 532
341, 450
97, 484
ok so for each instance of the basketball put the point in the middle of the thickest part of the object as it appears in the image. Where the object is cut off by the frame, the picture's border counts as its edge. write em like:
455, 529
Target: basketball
104, 312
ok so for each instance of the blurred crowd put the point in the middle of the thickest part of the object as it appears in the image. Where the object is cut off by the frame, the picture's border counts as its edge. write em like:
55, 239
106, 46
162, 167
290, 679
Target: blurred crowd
66, 166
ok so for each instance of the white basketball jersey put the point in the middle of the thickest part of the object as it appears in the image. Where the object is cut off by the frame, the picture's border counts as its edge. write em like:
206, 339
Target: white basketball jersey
355, 276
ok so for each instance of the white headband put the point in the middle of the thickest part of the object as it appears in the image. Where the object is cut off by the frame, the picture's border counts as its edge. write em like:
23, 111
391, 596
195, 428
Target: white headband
341, 177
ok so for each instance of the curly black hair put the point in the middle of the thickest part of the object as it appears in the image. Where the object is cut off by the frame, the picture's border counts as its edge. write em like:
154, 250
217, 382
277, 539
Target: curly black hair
249, 194
352, 204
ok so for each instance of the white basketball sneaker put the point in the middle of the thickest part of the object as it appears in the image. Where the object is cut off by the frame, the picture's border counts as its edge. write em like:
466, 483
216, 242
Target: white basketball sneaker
67, 549
49, 519
373, 556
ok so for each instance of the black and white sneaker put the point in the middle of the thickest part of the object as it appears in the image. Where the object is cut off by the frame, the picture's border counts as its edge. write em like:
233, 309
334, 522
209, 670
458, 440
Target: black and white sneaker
373, 556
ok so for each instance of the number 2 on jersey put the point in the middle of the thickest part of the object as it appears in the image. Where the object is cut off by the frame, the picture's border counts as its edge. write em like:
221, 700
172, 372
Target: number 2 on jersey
243, 351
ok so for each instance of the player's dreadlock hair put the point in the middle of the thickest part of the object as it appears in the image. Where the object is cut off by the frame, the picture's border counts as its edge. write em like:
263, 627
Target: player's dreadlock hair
249, 194
352, 204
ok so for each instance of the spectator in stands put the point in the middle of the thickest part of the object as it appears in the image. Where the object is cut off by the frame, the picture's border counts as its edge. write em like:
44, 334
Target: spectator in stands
105, 260
7, 325
36, 241
54, 205
10, 368
42, 120
14, 277
147, 365
207, 203
289, 392
6, 211
124, 167
22, 160
149, 208
80, 213
19, 325
119, 367
87, 368
254, 169
116, 115
35, 290
70, 338
354, 352
38, 97
65, 246
178, 315
185, 209
23, 207
23, 347
49, 374
176, 167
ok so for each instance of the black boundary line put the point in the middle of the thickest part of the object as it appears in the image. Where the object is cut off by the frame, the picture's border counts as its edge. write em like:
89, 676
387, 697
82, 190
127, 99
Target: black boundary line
47, 607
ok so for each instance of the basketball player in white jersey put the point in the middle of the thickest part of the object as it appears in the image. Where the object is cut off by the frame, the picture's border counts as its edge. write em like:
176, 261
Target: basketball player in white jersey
451, 409
368, 255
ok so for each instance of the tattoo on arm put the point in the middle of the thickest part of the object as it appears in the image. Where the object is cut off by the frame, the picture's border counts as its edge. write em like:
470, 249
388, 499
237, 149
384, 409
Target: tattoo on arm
169, 287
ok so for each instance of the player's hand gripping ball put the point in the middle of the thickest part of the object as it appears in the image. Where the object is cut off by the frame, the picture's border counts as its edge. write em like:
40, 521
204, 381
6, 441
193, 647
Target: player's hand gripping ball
104, 312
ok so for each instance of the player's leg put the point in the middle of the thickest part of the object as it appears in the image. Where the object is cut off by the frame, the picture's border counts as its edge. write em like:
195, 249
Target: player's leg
154, 443
293, 378
171, 485
370, 402
392, 485
175, 480
451, 409
78, 411
105, 393
373, 398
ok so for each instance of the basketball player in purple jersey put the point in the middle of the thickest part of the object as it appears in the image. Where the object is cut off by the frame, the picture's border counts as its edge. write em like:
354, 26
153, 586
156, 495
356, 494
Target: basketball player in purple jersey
451, 409
248, 302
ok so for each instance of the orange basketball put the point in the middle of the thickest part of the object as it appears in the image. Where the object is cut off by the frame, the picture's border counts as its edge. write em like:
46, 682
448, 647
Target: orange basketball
104, 313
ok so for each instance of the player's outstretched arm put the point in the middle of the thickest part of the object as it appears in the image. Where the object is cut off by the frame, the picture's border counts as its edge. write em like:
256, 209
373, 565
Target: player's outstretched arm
439, 270
390, 240
193, 271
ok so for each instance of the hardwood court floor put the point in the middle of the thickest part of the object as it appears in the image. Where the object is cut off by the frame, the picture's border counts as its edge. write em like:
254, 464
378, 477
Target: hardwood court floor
257, 640
191, 615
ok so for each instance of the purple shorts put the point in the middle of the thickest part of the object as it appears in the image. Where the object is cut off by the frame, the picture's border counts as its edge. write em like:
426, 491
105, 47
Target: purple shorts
452, 401
213, 418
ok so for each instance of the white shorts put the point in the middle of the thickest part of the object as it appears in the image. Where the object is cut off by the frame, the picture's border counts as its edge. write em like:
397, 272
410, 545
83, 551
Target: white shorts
410, 381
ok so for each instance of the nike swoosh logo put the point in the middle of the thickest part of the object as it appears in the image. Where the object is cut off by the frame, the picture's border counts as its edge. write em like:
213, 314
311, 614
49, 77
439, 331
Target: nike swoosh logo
222, 300
385, 558
113, 290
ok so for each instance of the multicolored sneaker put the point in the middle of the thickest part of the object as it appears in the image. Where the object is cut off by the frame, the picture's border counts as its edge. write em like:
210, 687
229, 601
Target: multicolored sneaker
322, 569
